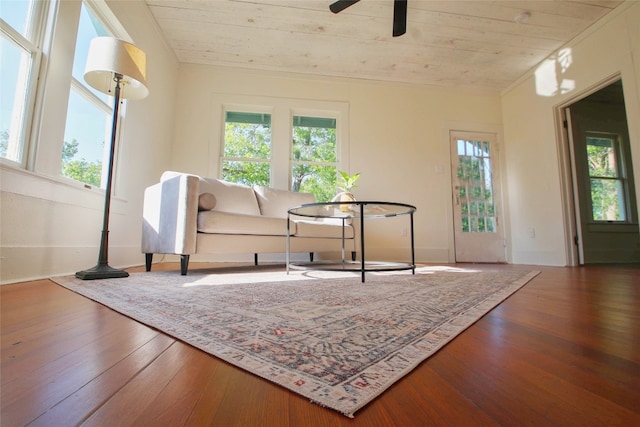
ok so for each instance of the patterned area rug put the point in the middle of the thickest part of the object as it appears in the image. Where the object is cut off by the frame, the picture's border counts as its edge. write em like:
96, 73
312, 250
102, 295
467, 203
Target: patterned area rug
326, 336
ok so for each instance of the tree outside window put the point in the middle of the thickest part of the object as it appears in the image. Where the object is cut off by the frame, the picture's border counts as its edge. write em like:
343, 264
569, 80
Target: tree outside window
246, 156
475, 192
314, 156
606, 178
89, 112
247, 152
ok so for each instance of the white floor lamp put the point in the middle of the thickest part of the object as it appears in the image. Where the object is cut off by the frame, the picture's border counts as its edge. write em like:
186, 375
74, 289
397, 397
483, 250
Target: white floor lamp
116, 68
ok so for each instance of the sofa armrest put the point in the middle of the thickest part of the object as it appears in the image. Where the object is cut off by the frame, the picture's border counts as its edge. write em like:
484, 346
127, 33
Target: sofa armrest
170, 214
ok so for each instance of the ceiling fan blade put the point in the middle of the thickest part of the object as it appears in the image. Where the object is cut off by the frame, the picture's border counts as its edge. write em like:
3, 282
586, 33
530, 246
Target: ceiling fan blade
399, 17
341, 5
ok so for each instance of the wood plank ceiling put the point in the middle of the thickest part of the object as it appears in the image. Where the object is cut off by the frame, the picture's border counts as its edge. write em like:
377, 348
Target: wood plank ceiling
481, 44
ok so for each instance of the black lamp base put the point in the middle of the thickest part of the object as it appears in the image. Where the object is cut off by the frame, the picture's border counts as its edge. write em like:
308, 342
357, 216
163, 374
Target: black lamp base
101, 271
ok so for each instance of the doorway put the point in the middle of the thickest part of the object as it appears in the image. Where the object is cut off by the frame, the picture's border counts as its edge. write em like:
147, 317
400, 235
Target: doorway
604, 195
478, 235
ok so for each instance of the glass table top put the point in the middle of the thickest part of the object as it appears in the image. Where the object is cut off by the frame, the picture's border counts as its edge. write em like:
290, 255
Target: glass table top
353, 209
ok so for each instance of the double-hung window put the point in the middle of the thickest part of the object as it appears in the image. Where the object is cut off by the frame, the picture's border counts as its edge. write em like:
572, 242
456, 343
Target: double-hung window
89, 113
246, 154
606, 178
22, 27
314, 156
289, 144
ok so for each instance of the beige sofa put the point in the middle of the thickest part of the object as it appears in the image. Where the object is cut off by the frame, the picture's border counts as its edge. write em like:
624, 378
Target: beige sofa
186, 214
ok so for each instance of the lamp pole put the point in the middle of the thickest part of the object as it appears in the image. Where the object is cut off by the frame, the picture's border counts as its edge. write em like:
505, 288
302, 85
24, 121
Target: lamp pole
102, 270
114, 67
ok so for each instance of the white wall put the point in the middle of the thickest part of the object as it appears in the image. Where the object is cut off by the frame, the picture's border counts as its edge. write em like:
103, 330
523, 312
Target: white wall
398, 139
50, 225
533, 173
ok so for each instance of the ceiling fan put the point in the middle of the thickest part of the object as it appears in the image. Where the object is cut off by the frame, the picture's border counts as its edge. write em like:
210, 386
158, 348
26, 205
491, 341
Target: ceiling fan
399, 13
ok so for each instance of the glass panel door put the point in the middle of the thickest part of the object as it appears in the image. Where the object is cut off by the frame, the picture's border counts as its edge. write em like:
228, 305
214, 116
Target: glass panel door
475, 184
477, 232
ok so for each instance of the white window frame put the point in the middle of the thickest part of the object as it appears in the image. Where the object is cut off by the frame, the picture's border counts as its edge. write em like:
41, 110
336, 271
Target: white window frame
282, 111
24, 107
318, 114
619, 179
99, 9
244, 109
45, 125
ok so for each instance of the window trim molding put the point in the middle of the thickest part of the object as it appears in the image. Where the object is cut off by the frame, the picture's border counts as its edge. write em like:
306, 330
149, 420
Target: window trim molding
112, 24
40, 29
106, 16
36, 176
282, 110
621, 178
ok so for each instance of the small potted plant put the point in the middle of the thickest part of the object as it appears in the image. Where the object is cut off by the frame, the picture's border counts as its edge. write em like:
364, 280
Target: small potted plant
346, 183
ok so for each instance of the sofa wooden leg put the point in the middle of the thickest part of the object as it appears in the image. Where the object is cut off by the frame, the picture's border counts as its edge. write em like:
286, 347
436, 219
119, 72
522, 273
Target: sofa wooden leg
353, 255
148, 259
255, 259
184, 264
310, 256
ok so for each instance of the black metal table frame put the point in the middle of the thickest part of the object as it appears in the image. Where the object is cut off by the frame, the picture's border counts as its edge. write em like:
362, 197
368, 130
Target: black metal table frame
360, 214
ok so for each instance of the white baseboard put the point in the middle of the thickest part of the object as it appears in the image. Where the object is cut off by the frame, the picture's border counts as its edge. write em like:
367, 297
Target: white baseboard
25, 263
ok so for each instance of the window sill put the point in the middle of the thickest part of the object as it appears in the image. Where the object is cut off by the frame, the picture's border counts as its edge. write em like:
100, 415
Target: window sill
56, 189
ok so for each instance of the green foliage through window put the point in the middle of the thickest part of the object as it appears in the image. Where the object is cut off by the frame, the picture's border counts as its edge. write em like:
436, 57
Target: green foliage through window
247, 148
89, 112
314, 157
606, 180
79, 169
475, 192
4, 142
247, 152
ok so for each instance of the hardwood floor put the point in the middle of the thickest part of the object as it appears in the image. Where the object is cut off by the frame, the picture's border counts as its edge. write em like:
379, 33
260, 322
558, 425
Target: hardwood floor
562, 351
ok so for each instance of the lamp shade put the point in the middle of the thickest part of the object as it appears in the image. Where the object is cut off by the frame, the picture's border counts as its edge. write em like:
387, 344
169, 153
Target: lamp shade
109, 56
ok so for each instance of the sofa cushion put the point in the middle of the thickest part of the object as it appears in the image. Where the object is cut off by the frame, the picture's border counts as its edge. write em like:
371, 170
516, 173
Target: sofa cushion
216, 222
231, 197
275, 203
330, 229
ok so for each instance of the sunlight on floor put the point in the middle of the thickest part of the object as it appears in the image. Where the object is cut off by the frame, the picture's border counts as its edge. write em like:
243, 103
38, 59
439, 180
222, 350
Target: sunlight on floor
209, 277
